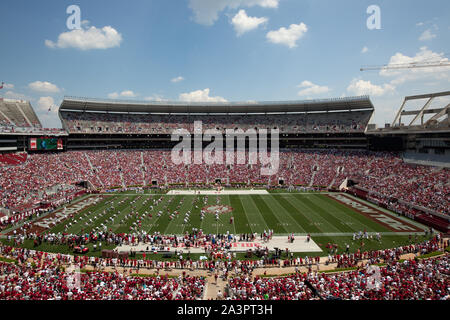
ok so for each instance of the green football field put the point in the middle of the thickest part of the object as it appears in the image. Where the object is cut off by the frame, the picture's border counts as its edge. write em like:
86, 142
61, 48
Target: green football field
282, 213
327, 220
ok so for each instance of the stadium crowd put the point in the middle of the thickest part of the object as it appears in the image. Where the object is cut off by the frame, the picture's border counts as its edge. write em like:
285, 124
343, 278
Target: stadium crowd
77, 122
44, 276
408, 280
42, 178
36, 275
48, 177
217, 249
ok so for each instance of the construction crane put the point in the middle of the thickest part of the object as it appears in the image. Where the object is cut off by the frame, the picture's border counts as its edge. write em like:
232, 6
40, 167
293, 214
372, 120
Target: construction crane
431, 64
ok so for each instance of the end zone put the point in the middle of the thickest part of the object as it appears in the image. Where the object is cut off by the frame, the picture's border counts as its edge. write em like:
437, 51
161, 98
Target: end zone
388, 221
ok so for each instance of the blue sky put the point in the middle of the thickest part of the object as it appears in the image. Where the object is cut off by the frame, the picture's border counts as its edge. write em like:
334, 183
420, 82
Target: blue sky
217, 50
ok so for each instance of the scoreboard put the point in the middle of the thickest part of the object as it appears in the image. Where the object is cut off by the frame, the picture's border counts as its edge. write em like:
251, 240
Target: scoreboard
46, 144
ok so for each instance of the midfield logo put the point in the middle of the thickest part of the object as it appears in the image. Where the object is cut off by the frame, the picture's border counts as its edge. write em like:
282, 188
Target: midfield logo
218, 209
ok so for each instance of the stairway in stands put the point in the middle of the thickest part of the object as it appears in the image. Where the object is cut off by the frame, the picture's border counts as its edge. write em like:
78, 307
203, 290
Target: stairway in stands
334, 178
93, 169
311, 183
120, 172
142, 169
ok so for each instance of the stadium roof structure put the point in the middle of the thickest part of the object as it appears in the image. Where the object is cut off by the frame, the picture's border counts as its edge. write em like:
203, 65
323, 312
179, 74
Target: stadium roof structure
437, 113
425, 119
18, 112
175, 107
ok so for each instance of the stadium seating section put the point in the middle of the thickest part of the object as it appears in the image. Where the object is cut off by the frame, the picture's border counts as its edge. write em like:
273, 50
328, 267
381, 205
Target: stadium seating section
36, 275
384, 175
17, 113
400, 281
44, 280
77, 122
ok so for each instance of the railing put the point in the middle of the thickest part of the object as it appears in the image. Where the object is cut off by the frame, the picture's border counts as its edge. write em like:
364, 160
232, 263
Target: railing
14, 129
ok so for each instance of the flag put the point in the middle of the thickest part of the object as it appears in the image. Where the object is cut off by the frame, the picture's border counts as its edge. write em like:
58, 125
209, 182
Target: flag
1, 87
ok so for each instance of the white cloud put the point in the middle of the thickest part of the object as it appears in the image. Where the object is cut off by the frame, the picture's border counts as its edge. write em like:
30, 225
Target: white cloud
365, 50
427, 35
155, 97
123, 94
87, 38
242, 23
15, 95
401, 76
177, 79
206, 12
288, 36
362, 87
419, 24
200, 96
48, 118
44, 86
128, 94
311, 89
44, 103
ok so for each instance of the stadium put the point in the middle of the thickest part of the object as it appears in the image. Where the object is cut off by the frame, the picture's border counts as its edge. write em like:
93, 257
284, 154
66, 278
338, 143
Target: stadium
103, 194
210, 155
